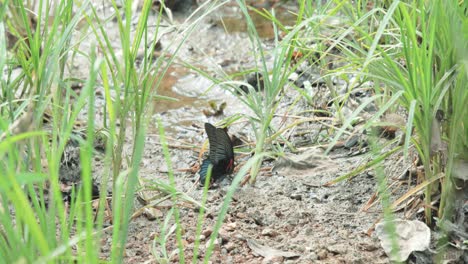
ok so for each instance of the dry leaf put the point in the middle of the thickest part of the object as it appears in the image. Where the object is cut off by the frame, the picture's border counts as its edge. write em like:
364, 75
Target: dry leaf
411, 236
268, 252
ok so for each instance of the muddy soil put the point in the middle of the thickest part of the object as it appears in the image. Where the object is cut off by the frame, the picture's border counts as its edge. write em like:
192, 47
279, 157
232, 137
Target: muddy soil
288, 211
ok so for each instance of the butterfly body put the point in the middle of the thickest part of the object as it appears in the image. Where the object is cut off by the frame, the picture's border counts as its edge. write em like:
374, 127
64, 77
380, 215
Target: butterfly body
221, 155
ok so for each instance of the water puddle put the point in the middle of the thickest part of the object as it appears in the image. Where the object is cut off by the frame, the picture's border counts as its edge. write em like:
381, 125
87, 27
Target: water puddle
179, 110
237, 23
166, 89
189, 89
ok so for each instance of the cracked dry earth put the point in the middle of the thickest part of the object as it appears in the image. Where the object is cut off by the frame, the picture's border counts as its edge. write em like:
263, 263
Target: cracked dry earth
288, 216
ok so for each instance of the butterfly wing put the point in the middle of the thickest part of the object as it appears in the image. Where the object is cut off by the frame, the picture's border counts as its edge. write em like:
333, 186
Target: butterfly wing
204, 170
220, 144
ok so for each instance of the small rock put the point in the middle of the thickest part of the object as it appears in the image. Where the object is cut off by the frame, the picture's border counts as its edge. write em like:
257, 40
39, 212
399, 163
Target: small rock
308, 231
293, 77
322, 254
338, 249
152, 213
351, 142
212, 199
312, 256
224, 235
239, 236
393, 122
368, 246
230, 246
269, 232
207, 232
174, 258
230, 226
274, 259
296, 196
190, 239
241, 215
299, 248
216, 244
255, 81
130, 253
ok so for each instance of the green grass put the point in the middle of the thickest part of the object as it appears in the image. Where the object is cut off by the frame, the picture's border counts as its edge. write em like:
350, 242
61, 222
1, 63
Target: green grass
42, 51
417, 59
410, 50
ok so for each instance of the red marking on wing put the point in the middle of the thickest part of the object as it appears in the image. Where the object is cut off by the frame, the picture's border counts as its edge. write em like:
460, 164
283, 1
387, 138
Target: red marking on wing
230, 166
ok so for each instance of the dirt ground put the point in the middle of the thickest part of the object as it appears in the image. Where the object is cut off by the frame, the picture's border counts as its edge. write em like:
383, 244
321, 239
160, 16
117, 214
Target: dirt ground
288, 216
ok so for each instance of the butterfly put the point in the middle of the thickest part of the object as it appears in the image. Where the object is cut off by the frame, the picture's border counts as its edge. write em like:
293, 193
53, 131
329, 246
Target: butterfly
221, 154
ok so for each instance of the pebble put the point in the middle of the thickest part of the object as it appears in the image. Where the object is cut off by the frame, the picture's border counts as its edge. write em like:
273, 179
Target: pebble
272, 260
322, 254
216, 244
309, 231
299, 248
368, 246
230, 246
241, 215
338, 249
224, 235
312, 256
269, 232
230, 226
296, 196
239, 236
174, 258
207, 232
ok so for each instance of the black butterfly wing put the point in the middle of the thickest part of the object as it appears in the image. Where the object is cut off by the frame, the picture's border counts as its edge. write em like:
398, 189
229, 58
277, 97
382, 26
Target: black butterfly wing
204, 170
220, 144
221, 155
